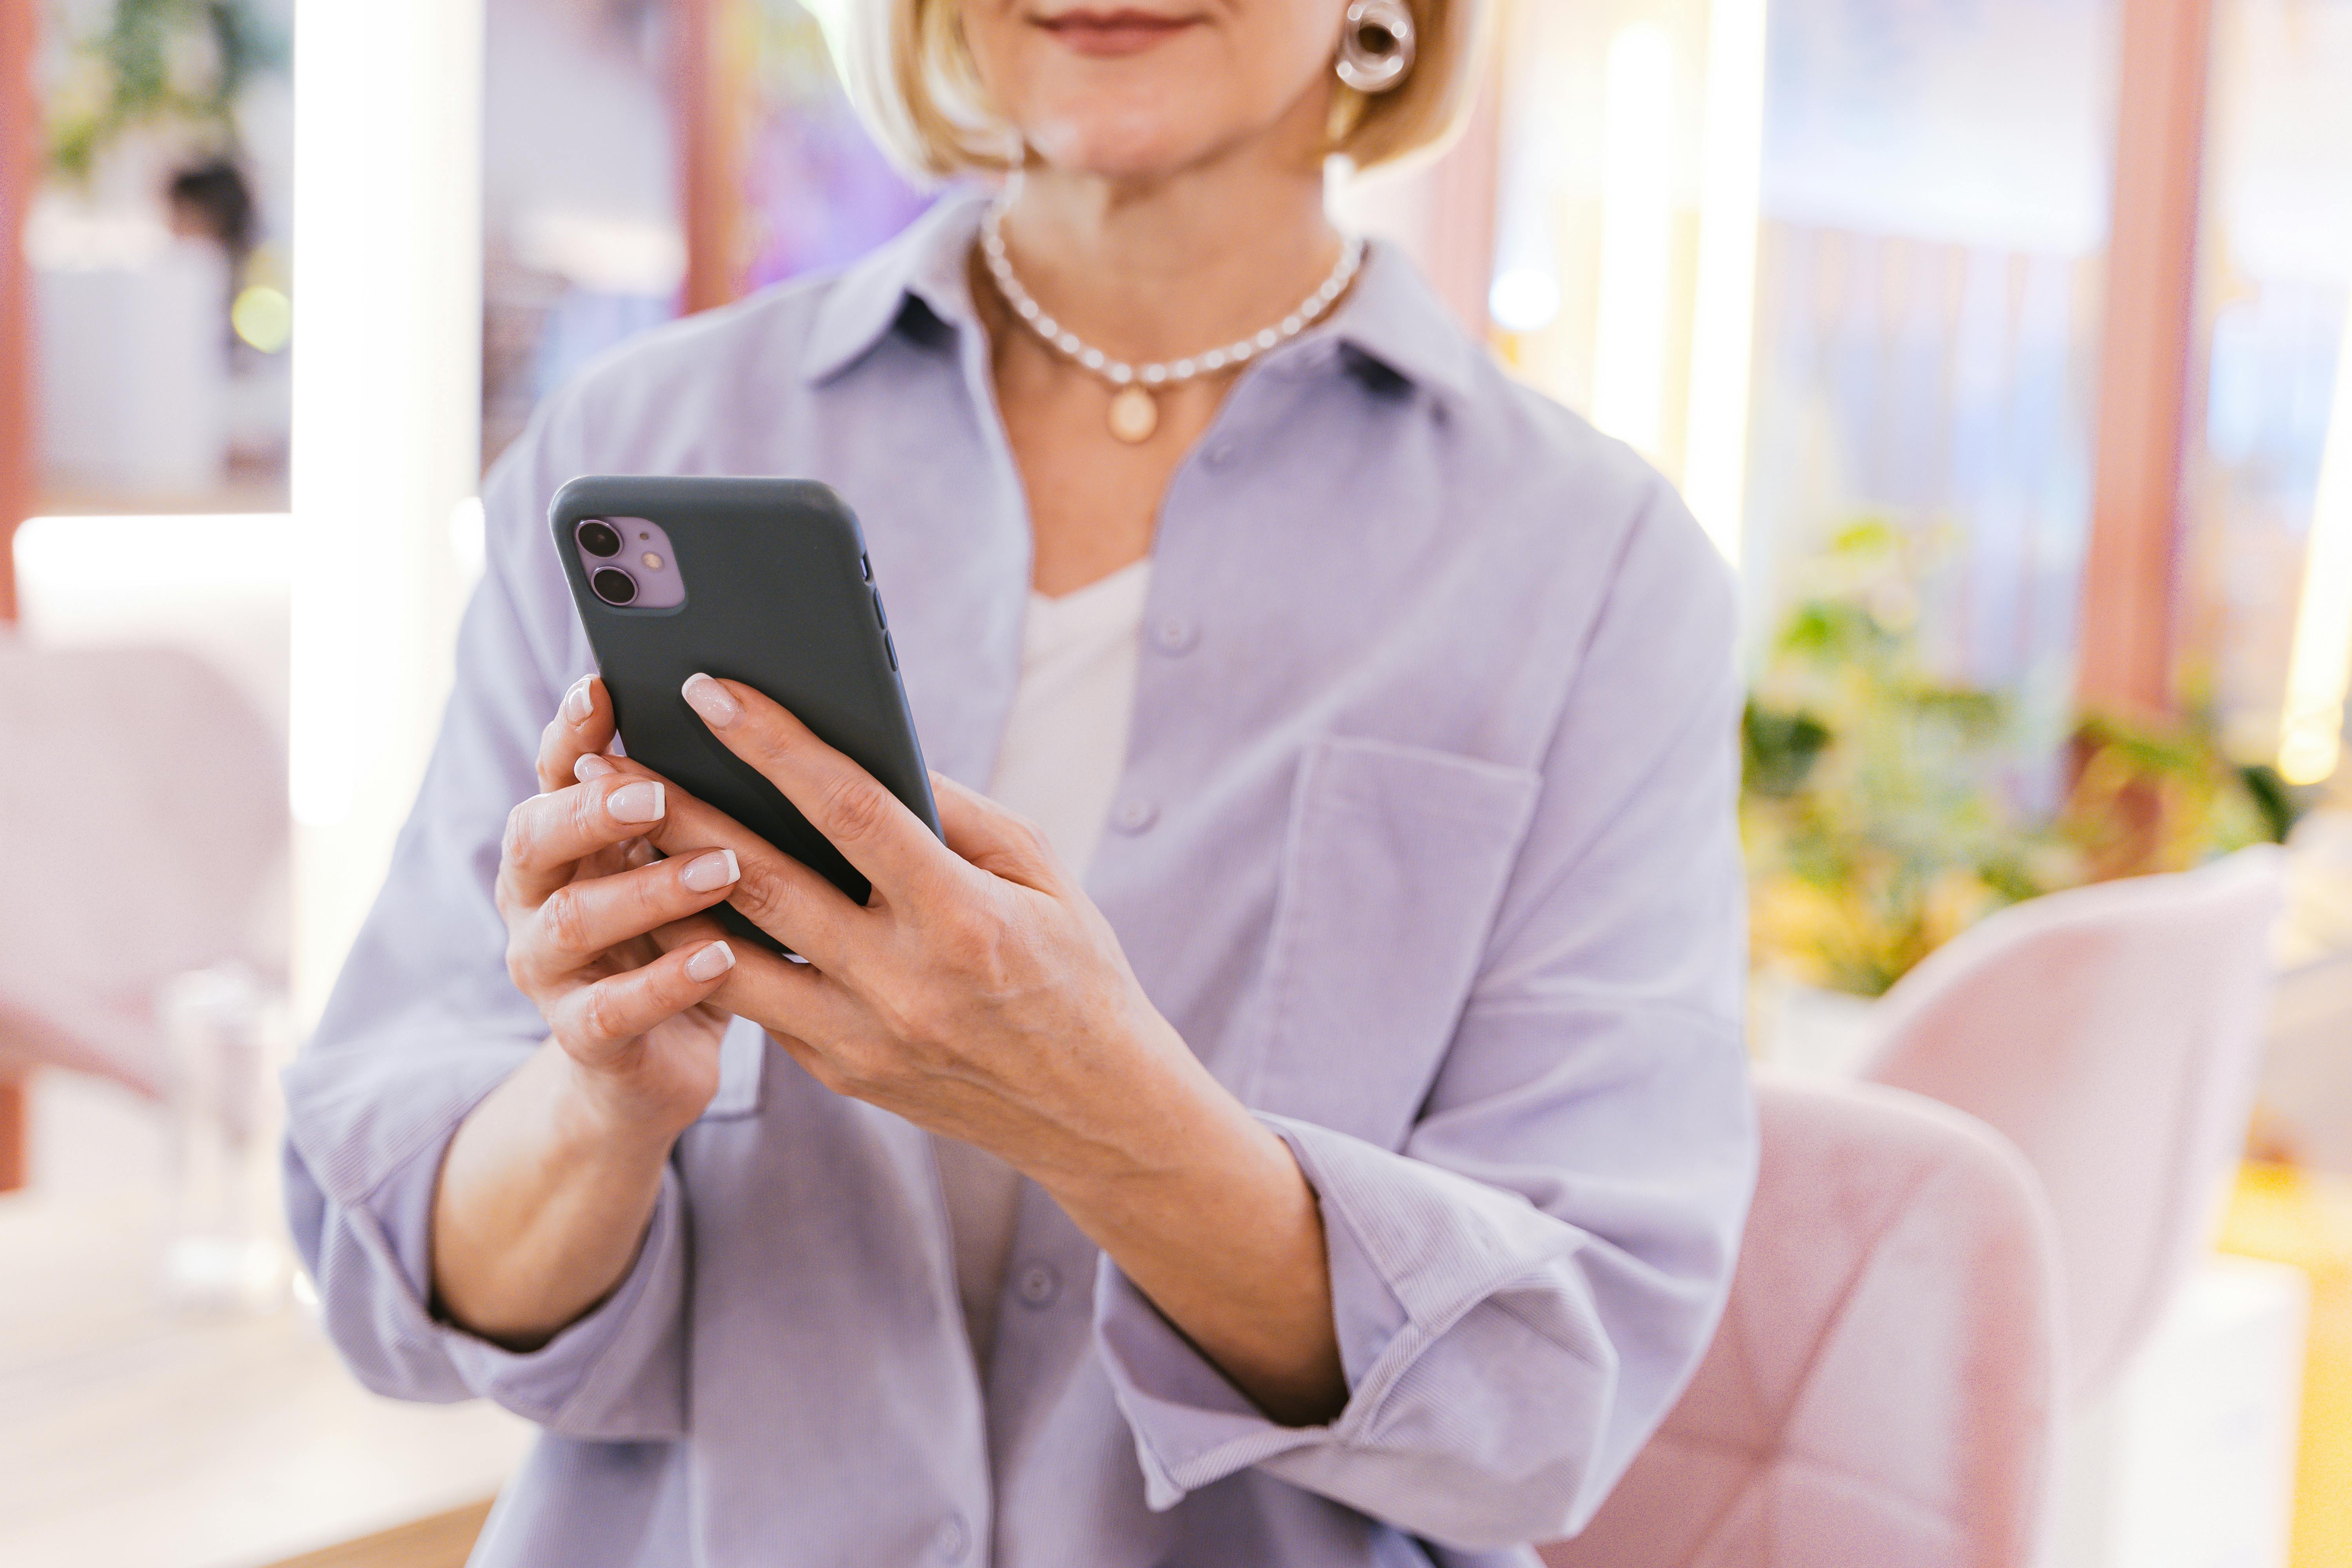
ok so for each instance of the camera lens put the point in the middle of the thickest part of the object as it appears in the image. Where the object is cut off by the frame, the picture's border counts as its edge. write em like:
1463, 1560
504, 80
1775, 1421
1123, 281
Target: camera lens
599, 539
614, 585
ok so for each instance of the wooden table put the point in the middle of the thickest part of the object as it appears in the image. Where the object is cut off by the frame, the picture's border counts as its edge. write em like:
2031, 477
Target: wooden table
132, 1438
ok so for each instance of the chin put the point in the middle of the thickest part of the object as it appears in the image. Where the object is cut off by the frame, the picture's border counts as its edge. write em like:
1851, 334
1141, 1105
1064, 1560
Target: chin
1130, 146
1134, 119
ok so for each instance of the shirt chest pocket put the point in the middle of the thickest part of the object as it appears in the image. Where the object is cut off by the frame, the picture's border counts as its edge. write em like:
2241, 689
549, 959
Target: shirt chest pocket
1395, 860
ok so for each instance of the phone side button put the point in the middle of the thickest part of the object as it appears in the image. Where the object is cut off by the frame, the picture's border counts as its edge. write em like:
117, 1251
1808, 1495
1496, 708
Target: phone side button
880, 619
891, 648
866, 565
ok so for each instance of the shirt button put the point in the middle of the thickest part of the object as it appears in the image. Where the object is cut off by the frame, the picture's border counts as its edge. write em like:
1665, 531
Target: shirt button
1174, 635
1134, 816
953, 1539
1038, 1285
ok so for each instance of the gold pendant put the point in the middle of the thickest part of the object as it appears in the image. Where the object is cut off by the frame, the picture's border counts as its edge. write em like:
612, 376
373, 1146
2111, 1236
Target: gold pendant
1134, 414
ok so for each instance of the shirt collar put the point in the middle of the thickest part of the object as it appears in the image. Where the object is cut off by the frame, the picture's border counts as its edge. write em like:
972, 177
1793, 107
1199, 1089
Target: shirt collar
924, 262
1391, 315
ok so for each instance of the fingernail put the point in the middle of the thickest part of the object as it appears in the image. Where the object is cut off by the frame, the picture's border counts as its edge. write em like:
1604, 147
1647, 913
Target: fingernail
713, 702
636, 803
591, 766
577, 704
707, 873
712, 962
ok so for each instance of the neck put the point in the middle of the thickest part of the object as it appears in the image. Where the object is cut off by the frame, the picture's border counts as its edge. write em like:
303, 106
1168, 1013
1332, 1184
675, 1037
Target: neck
1169, 266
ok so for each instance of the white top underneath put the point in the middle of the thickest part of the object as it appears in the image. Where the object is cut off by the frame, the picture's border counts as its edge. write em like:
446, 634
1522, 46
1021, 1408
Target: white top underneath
1064, 748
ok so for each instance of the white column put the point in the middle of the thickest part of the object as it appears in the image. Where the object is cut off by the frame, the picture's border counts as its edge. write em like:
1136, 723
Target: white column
1723, 336
2319, 671
1637, 237
387, 441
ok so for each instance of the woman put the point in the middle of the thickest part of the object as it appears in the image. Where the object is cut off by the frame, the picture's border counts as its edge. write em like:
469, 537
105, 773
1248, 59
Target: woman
1323, 1139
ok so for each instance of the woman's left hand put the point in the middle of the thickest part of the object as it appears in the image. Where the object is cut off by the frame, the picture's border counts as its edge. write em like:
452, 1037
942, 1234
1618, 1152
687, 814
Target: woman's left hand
981, 995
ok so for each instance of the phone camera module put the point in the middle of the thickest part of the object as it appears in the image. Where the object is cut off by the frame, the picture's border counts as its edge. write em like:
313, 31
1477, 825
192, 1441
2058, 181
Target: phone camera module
628, 561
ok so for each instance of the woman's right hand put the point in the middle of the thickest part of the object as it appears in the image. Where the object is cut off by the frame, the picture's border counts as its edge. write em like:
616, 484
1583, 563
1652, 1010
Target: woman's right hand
611, 943
550, 1184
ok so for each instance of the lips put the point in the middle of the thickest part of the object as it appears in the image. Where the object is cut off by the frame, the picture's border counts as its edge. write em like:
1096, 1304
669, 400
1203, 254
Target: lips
1110, 33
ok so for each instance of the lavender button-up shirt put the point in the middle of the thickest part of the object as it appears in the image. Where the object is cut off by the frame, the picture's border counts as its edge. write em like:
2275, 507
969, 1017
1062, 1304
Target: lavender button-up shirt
1424, 842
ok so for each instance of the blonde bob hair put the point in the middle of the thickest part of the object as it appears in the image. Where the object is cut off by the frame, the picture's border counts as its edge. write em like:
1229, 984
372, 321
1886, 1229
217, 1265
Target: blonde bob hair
913, 81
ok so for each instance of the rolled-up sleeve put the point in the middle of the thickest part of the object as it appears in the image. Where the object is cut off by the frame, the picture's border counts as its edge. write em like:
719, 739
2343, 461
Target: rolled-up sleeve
1521, 1292
424, 1023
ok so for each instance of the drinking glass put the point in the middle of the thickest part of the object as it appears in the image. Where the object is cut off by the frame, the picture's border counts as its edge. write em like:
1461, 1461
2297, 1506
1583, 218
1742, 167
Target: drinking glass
222, 1250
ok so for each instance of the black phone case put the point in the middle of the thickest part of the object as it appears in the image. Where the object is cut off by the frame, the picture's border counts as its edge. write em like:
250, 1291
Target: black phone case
779, 596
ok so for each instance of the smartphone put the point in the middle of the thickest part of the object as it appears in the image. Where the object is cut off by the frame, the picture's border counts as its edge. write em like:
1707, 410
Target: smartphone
763, 581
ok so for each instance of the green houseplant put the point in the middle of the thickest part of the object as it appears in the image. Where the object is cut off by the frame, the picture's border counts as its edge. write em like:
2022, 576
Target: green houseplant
1883, 808
176, 64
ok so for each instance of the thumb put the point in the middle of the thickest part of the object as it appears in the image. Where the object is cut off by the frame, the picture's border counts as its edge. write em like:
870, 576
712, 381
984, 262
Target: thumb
985, 834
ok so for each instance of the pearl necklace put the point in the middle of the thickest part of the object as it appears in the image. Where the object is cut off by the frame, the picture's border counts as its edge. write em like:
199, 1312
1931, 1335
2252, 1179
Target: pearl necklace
1134, 412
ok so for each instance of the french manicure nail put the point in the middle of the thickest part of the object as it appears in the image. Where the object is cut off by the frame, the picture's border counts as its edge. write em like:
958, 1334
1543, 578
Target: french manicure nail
708, 873
636, 803
591, 766
577, 705
712, 962
713, 702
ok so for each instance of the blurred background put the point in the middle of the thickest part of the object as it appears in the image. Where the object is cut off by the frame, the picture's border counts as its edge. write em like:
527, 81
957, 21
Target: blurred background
2004, 345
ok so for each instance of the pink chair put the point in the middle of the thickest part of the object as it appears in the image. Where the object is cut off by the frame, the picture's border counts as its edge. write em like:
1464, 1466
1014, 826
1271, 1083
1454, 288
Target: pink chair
2112, 1034
148, 806
1882, 1390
